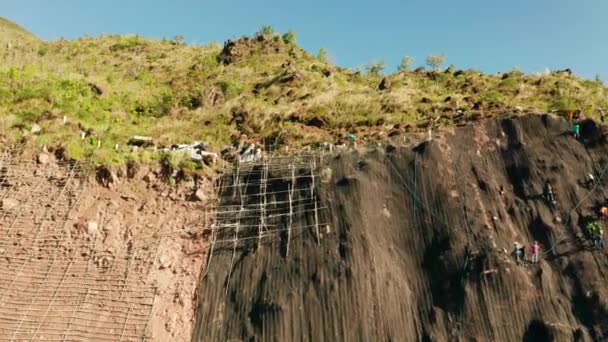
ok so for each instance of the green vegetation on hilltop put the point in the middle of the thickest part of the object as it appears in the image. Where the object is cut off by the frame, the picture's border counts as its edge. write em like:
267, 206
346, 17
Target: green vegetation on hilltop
264, 86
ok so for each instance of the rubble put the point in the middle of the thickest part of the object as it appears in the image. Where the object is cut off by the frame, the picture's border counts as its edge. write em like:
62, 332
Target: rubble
197, 151
43, 158
9, 204
92, 228
199, 195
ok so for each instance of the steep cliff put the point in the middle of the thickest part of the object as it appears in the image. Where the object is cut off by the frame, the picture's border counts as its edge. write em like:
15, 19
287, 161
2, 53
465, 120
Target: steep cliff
413, 242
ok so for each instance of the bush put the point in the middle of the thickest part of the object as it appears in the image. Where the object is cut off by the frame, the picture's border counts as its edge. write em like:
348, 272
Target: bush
232, 89
516, 72
375, 68
491, 96
290, 37
128, 42
564, 103
266, 32
322, 55
43, 50
435, 61
165, 102
406, 63
179, 39
70, 95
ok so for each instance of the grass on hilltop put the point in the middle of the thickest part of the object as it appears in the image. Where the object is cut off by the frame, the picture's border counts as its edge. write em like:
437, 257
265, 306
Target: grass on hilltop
271, 90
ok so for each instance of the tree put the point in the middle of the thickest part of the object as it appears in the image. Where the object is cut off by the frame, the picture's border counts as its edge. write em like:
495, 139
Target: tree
322, 55
290, 37
375, 68
435, 61
265, 31
406, 63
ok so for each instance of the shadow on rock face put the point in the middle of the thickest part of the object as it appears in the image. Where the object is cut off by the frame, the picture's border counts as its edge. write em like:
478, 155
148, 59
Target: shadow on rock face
537, 332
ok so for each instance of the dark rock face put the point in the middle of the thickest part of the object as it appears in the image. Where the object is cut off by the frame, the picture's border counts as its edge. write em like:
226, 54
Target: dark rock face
417, 245
385, 84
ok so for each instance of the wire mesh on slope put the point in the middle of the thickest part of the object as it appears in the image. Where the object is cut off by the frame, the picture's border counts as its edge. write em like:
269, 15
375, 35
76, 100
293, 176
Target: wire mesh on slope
55, 284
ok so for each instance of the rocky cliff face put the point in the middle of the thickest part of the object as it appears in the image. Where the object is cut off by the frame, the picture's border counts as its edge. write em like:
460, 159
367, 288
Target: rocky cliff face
413, 242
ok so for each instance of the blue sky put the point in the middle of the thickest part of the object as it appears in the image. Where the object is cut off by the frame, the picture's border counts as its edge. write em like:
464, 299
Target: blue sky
487, 35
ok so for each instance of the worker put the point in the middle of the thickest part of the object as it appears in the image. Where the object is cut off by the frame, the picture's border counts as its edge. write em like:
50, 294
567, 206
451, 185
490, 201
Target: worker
535, 252
593, 229
351, 140
589, 180
516, 252
522, 251
576, 131
549, 197
602, 114
600, 238
604, 214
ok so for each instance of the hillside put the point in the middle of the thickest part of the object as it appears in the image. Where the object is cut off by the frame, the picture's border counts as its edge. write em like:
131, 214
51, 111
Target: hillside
265, 86
11, 33
406, 236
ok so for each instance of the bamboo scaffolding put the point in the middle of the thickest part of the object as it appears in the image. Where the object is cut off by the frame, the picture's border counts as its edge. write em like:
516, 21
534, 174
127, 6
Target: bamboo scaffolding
263, 189
291, 188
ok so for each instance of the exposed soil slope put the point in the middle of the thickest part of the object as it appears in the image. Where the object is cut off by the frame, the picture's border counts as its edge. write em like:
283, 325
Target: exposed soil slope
82, 262
417, 244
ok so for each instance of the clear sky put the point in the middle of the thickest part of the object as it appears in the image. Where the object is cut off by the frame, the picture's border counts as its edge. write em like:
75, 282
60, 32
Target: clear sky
482, 34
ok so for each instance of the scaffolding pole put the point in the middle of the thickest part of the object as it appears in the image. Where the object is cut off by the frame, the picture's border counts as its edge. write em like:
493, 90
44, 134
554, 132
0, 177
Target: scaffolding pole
312, 195
236, 178
213, 237
291, 188
263, 187
236, 230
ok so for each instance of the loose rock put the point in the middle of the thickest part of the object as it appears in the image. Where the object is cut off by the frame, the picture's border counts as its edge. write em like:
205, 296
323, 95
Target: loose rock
9, 204
36, 128
43, 158
385, 84
92, 228
199, 195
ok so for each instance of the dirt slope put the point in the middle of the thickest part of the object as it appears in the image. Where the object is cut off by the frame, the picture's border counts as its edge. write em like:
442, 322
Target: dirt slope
416, 243
83, 262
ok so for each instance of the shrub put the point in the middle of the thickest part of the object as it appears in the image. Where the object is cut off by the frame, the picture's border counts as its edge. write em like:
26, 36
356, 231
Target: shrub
322, 55
232, 88
375, 68
165, 102
563, 103
516, 72
128, 42
435, 61
179, 39
491, 96
598, 80
290, 37
69, 94
266, 32
43, 50
406, 63
28, 116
